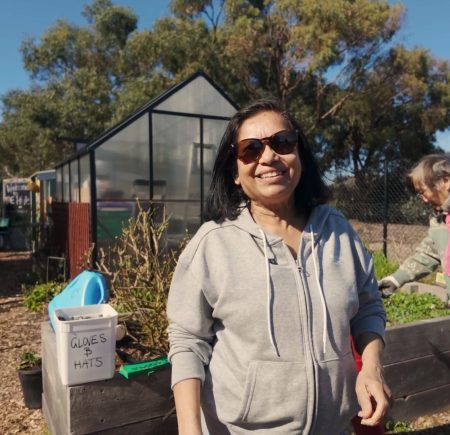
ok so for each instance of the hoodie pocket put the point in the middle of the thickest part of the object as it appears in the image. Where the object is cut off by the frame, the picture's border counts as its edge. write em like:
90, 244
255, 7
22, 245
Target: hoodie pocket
274, 392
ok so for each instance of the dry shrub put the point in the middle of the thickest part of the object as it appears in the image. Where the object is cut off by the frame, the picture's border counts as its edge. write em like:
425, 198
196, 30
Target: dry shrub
139, 267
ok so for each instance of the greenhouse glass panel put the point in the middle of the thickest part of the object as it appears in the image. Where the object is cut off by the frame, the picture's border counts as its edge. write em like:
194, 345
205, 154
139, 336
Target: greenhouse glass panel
213, 130
66, 183
74, 182
85, 179
184, 216
176, 157
198, 97
122, 164
112, 217
58, 191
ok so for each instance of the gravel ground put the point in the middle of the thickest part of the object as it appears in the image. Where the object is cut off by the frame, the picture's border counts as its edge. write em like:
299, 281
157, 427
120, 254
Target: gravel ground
20, 332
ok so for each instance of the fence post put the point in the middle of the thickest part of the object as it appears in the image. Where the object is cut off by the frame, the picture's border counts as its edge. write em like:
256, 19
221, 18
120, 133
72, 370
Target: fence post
385, 207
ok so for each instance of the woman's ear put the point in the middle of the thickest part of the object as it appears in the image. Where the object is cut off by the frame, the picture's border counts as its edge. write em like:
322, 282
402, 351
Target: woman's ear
446, 182
236, 179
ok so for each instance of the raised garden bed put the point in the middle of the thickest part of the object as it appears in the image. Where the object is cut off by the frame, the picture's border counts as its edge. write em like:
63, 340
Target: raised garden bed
416, 362
417, 367
140, 405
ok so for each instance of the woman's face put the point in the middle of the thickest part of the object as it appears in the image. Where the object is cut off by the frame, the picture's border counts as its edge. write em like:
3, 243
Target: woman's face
435, 196
271, 179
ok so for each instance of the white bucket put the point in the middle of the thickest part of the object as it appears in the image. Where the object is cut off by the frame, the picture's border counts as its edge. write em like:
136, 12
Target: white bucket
85, 343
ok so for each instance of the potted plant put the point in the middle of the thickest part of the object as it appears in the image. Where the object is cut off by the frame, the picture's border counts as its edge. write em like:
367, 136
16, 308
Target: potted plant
30, 376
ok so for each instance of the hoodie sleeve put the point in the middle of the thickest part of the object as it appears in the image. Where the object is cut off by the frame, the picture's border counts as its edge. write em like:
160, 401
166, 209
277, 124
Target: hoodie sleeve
190, 325
371, 316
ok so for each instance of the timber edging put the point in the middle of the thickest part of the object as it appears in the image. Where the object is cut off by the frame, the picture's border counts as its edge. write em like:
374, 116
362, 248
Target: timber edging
417, 368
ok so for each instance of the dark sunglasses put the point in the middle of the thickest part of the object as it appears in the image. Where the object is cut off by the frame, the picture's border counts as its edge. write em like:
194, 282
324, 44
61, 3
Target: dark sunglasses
250, 150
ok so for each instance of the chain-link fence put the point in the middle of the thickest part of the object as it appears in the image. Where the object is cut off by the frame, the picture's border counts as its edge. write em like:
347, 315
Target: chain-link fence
384, 211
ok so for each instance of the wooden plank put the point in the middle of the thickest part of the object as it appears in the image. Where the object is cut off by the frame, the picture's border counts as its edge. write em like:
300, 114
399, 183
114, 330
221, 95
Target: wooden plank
48, 417
154, 427
120, 401
420, 404
55, 394
420, 374
417, 339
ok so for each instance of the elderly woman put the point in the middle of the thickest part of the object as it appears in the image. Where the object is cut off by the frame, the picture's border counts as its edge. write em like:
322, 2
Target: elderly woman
430, 178
266, 295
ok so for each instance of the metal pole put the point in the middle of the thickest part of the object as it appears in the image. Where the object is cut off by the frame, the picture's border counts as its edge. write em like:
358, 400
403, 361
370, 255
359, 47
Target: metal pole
385, 207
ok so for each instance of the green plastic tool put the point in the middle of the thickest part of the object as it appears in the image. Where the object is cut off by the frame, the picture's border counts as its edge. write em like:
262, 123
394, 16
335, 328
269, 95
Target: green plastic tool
148, 367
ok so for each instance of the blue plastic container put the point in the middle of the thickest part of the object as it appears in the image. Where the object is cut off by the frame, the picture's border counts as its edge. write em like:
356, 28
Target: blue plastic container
87, 288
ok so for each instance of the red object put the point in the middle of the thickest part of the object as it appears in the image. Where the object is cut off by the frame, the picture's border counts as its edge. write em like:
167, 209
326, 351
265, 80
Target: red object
356, 421
72, 234
365, 430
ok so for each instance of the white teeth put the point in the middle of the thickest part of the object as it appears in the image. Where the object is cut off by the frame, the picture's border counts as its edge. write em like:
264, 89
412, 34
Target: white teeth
270, 174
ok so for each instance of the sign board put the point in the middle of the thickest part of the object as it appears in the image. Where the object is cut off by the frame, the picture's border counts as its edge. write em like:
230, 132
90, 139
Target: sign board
16, 193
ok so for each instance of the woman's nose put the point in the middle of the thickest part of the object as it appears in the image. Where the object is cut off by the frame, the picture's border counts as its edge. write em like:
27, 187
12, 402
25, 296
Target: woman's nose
268, 154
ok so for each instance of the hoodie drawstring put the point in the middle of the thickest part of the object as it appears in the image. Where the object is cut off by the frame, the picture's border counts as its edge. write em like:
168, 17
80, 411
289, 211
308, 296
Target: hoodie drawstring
269, 294
322, 297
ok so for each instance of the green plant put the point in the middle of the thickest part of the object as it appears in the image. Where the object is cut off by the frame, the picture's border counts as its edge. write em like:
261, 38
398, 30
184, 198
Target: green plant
383, 267
29, 360
409, 307
397, 426
40, 294
139, 267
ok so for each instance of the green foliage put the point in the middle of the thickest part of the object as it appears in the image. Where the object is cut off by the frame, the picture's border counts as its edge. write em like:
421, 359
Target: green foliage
327, 61
37, 296
140, 268
397, 427
414, 210
408, 87
408, 307
29, 360
382, 266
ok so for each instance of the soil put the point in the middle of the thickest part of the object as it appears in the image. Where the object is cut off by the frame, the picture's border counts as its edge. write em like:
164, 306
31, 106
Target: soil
20, 332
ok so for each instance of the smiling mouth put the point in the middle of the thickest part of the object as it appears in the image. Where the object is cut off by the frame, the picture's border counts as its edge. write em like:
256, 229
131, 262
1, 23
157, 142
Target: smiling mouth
271, 174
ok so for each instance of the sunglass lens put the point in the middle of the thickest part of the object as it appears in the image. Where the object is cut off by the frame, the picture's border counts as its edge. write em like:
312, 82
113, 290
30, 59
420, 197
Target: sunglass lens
284, 142
250, 150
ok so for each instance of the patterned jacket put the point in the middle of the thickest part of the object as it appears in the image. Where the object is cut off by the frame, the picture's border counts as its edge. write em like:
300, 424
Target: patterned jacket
428, 255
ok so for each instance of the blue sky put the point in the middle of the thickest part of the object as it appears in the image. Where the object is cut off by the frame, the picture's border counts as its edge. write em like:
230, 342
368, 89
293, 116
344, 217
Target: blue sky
426, 24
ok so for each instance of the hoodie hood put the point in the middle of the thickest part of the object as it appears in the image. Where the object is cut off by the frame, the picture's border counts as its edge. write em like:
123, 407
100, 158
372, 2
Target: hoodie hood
317, 220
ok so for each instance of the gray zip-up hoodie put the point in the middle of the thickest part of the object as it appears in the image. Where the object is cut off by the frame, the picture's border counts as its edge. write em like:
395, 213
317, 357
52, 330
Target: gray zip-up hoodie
268, 336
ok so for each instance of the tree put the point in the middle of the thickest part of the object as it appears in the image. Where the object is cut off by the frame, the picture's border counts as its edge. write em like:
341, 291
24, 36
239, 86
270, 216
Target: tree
399, 106
331, 62
76, 82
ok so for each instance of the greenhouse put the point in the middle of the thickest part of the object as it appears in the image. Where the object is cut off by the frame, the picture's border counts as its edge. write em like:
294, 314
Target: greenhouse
163, 154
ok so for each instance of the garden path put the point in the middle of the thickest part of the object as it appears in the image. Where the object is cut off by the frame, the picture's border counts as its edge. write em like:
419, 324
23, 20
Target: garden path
19, 332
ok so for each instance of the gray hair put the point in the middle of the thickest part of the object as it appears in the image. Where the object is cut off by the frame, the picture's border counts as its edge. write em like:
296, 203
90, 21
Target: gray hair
430, 169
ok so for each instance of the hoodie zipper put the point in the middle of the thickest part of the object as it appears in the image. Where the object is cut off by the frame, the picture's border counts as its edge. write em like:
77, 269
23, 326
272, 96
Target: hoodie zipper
304, 319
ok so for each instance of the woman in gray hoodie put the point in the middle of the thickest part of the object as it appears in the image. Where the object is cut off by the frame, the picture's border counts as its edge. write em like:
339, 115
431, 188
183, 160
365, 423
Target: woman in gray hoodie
267, 294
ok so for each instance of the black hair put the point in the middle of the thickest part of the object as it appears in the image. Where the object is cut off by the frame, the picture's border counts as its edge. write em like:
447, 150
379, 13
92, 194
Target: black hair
225, 198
